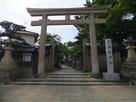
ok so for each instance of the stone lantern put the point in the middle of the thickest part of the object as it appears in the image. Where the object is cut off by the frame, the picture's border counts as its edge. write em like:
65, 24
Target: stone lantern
8, 67
131, 49
128, 70
8, 52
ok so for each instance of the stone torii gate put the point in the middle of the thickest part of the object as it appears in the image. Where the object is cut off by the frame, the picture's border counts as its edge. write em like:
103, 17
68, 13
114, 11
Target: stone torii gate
67, 12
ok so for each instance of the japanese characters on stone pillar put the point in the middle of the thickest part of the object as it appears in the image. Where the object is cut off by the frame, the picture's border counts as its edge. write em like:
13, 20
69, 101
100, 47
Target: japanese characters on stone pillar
110, 75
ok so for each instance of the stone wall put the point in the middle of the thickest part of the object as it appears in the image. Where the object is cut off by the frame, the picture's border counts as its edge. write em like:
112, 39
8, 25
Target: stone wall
128, 70
102, 62
9, 74
128, 74
18, 72
28, 69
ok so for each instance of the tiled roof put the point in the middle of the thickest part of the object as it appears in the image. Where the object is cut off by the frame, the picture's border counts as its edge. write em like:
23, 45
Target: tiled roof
25, 49
27, 32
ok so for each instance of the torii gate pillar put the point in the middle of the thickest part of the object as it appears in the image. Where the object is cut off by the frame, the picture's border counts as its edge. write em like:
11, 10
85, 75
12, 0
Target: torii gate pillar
94, 52
41, 60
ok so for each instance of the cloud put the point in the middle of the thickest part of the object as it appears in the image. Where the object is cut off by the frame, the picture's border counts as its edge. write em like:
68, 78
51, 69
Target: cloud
67, 32
59, 3
15, 11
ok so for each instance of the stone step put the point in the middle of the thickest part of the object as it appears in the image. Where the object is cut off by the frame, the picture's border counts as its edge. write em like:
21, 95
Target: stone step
70, 74
65, 80
132, 62
129, 66
58, 79
74, 79
68, 83
67, 77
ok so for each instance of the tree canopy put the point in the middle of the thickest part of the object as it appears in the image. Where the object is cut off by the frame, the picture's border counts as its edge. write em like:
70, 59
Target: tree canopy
120, 21
56, 37
10, 30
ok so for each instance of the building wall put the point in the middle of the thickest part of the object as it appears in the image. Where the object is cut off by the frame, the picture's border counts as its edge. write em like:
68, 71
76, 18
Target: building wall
28, 38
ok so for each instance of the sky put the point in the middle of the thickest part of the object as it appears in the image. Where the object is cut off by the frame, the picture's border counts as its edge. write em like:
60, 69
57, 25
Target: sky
15, 11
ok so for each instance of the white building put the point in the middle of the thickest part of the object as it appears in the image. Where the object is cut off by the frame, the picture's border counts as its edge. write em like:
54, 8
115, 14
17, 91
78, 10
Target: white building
31, 39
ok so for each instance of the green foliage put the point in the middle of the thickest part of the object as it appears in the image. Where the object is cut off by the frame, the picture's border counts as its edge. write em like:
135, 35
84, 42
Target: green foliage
11, 27
60, 51
50, 36
120, 21
70, 44
56, 37
11, 30
76, 51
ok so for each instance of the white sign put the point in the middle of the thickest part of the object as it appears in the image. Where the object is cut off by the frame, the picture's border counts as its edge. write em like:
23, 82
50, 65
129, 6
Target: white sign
27, 57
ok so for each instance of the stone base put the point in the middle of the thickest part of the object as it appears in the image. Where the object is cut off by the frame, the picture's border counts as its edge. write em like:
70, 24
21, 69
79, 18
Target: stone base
131, 59
96, 75
7, 65
113, 76
128, 74
26, 72
8, 70
9, 74
41, 75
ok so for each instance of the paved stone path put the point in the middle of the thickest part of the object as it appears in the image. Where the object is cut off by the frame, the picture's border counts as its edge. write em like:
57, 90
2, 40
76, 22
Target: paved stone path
67, 93
66, 76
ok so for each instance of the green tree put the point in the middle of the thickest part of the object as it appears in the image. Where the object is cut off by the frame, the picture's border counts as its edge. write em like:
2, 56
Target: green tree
120, 21
10, 30
56, 37
70, 44
50, 36
120, 24
61, 51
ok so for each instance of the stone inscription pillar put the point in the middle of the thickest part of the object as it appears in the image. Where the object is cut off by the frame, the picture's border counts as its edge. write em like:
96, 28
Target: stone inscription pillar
41, 61
110, 75
109, 56
94, 52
